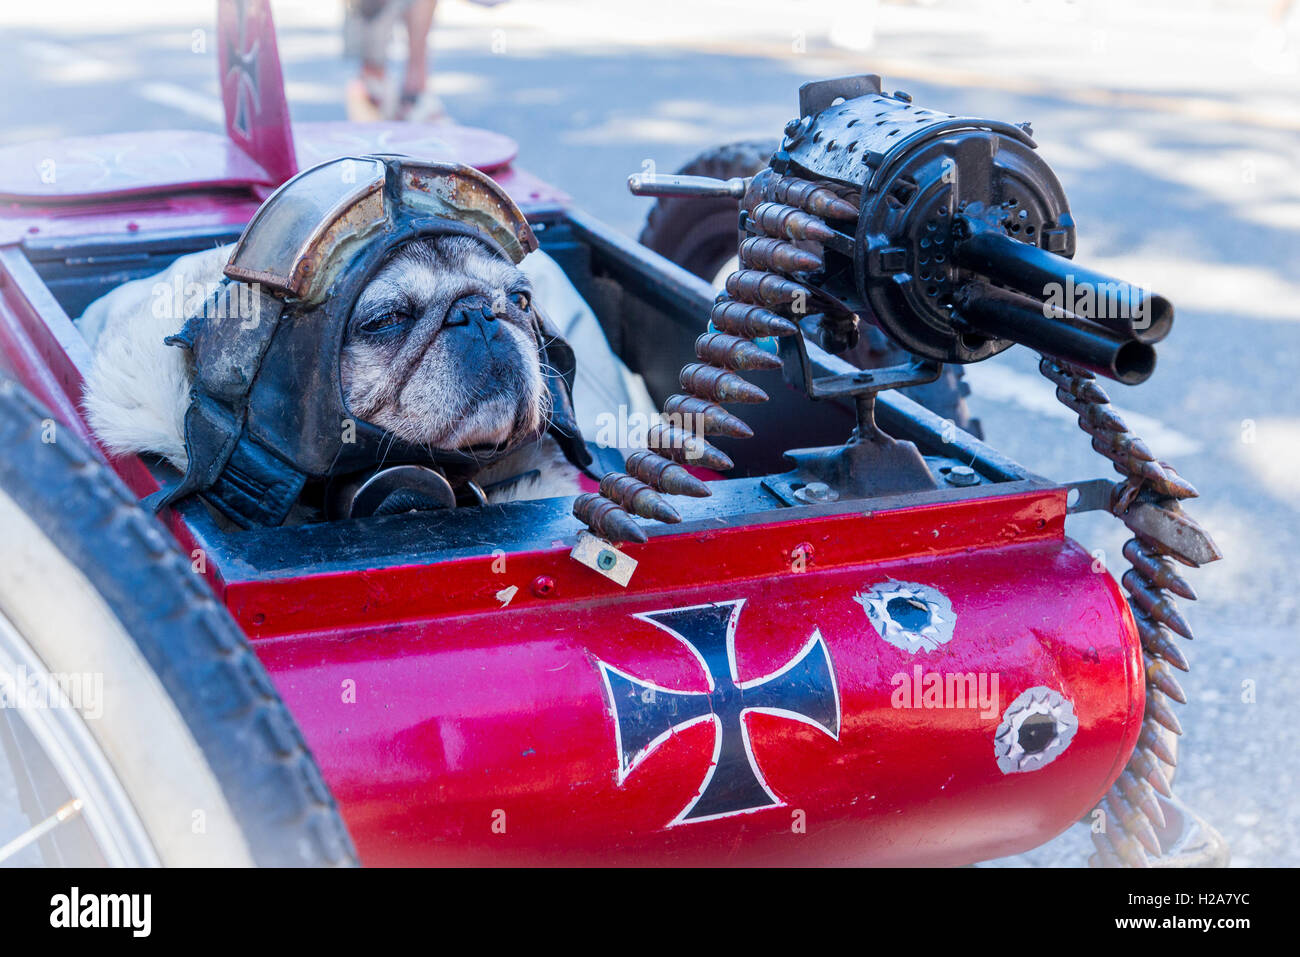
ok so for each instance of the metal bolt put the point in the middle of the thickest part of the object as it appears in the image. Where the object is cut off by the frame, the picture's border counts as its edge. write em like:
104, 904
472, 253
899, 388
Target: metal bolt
606, 560
962, 475
904, 96
815, 492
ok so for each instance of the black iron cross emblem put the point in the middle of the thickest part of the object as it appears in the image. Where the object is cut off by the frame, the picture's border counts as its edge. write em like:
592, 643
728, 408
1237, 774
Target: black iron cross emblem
646, 714
242, 59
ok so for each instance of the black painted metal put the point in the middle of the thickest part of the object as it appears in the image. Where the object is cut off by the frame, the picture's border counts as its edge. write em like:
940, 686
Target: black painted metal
1127, 310
80, 270
998, 313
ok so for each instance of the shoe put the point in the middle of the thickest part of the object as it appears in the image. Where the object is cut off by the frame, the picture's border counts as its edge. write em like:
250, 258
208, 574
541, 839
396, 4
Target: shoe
367, 100
422, 107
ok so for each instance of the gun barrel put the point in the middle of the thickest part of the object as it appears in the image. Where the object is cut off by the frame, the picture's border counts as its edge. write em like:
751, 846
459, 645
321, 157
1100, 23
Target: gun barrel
1127, 310
1007, 315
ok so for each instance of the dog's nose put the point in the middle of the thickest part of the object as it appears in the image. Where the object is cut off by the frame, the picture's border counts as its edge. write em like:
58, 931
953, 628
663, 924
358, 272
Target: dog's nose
470, 308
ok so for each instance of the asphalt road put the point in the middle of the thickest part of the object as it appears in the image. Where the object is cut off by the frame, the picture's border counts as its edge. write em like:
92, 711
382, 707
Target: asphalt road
1173, 128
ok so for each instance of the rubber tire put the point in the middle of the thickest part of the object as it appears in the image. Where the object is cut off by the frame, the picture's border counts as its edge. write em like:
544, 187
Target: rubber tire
162, 620
701, 235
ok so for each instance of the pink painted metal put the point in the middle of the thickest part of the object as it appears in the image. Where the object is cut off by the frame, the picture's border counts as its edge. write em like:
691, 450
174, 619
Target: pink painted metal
252, 87
124, 166
126, 183
483, 149
194, 211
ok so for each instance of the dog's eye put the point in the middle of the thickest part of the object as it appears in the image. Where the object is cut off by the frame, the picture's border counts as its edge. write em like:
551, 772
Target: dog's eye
384, 323
520, 299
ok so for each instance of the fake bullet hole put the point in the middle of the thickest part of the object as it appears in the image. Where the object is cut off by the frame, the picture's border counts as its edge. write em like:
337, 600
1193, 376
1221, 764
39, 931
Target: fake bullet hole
543, 585
1037, 732
259, 619
910, 613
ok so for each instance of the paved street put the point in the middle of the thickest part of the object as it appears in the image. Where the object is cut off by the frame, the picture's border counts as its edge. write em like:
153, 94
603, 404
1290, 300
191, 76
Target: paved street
1175, 128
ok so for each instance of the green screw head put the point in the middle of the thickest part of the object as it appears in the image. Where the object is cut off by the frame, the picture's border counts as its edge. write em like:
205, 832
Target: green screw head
606, 560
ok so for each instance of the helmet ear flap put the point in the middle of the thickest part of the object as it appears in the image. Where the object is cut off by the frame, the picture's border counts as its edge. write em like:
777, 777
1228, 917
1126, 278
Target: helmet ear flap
555, 349
561, 366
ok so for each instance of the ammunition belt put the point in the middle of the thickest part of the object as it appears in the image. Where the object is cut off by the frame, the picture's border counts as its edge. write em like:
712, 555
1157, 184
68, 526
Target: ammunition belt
1147, 501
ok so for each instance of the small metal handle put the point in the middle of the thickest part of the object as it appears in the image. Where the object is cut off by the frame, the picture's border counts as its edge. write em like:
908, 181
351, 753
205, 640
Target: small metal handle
658, 184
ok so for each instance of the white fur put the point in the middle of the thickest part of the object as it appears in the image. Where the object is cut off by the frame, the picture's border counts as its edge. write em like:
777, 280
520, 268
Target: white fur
138, 388
556, 477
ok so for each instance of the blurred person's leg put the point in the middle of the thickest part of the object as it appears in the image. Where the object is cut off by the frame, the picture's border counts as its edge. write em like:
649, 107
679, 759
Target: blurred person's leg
417, 103
367, 29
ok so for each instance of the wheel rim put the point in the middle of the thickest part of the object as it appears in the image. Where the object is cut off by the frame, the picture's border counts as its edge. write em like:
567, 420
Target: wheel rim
60, 801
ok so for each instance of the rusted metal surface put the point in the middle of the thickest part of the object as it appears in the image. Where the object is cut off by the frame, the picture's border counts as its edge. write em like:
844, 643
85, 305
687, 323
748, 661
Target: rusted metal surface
304, 233
296, 233
606, 519
658, 472
777, 219
681, 445
778, 255
638, 498
1164, 526
1156, 570
771, 186
752, 322
719, 385
711, 418
465, 194
734, 352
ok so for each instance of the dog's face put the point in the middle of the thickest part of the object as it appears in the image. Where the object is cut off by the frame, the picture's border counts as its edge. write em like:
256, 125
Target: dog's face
440, 348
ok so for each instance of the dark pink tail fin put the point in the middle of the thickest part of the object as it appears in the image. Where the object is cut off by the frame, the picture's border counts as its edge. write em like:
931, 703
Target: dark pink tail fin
252, 86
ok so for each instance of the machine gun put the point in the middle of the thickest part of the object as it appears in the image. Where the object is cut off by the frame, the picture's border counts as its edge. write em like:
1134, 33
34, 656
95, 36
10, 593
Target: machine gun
949, 233
953, 237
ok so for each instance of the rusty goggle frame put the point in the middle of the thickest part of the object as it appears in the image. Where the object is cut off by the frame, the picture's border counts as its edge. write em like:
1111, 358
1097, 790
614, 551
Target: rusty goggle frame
311, 227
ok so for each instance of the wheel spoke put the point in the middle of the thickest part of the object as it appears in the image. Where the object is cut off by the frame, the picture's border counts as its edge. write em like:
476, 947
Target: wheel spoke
67, 811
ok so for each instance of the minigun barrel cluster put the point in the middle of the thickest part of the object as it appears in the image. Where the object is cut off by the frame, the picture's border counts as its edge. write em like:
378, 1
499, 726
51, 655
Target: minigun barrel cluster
949, 233
963, 239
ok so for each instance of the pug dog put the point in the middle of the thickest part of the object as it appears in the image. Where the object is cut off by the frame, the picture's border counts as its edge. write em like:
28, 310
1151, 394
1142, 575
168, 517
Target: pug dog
439, 351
